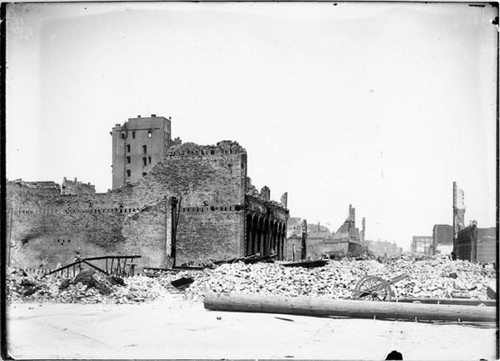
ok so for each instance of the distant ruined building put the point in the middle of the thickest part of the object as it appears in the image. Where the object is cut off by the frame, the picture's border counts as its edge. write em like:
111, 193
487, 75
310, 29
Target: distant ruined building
422, 245
348, 235
75, 187
347, 240
171, 203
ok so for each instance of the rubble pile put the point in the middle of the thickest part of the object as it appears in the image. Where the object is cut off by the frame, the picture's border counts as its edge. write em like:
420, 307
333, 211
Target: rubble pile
435, 278
430, 278
86, 287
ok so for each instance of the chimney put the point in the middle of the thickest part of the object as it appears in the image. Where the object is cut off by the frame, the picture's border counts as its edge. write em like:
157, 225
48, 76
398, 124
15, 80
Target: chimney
153, 115
139, 116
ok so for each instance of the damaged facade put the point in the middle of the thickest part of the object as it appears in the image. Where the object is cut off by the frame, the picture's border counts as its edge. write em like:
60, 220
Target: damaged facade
476, 244
196, 204
138, 145
348, 235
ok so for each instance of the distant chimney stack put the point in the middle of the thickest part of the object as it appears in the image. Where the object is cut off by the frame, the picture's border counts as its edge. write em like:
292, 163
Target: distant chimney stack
153, 115
139, 116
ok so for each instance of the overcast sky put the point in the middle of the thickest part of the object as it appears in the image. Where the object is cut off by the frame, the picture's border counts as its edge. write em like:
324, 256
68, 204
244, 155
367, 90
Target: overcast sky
381, 105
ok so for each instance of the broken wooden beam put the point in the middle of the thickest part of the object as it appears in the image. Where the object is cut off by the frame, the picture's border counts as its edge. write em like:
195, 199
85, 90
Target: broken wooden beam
182, 282
95, 267
62, 268
323, 307
108, 257
307, 264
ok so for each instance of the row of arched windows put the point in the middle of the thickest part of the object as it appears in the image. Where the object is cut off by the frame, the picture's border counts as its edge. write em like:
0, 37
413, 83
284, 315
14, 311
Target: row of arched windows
265, 236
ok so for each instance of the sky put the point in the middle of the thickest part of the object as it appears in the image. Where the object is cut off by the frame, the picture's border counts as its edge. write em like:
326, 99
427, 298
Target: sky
378, 105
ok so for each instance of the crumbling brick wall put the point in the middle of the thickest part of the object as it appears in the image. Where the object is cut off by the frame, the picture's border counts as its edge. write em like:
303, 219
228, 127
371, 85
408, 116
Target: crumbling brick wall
209, 234
211, 186
48, 229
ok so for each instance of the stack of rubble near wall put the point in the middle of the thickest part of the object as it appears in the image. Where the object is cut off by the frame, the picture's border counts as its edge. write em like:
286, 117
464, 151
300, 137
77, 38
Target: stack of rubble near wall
428, 279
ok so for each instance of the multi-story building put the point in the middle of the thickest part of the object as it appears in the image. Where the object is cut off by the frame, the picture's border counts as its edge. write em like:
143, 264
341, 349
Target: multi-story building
138, 145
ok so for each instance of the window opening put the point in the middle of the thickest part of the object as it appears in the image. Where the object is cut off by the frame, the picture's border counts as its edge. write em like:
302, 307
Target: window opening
149, 160
149, 134
144, 160
123, 135
144, 174
128, 172
145, 148
128, 148
133, 135
128, 160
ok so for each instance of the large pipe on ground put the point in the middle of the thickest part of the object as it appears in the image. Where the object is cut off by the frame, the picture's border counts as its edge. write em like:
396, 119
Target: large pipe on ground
323, 307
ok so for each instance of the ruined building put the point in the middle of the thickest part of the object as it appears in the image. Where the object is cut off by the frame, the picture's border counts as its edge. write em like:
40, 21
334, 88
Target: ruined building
422, 245
138, 145
347, 240
348, 237
194, 205
476, 244
76, 187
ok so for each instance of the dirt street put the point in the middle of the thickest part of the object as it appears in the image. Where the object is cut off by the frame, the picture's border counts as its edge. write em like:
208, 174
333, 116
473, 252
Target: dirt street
174, 328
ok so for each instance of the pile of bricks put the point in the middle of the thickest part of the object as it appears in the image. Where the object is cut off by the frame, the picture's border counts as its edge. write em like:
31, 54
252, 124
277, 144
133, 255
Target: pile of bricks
432, 278
22, 287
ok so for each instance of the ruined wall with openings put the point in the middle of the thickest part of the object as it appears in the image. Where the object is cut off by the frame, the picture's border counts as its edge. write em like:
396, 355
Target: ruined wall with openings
48, 229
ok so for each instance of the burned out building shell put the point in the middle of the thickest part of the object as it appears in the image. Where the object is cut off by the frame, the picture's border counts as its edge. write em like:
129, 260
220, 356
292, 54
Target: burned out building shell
191, 207
477, 244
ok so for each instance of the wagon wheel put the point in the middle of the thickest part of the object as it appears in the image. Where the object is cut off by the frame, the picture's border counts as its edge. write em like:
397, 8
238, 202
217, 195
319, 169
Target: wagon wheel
373, 288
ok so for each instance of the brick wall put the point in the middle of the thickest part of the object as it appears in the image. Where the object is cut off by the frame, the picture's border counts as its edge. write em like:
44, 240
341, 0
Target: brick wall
210, 235
211, 189
47, 229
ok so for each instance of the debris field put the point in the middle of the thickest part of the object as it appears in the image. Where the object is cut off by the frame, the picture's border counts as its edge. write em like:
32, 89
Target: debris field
429, 278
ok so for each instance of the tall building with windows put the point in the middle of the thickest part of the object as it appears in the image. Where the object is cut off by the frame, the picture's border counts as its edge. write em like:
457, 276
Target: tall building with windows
138, 145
